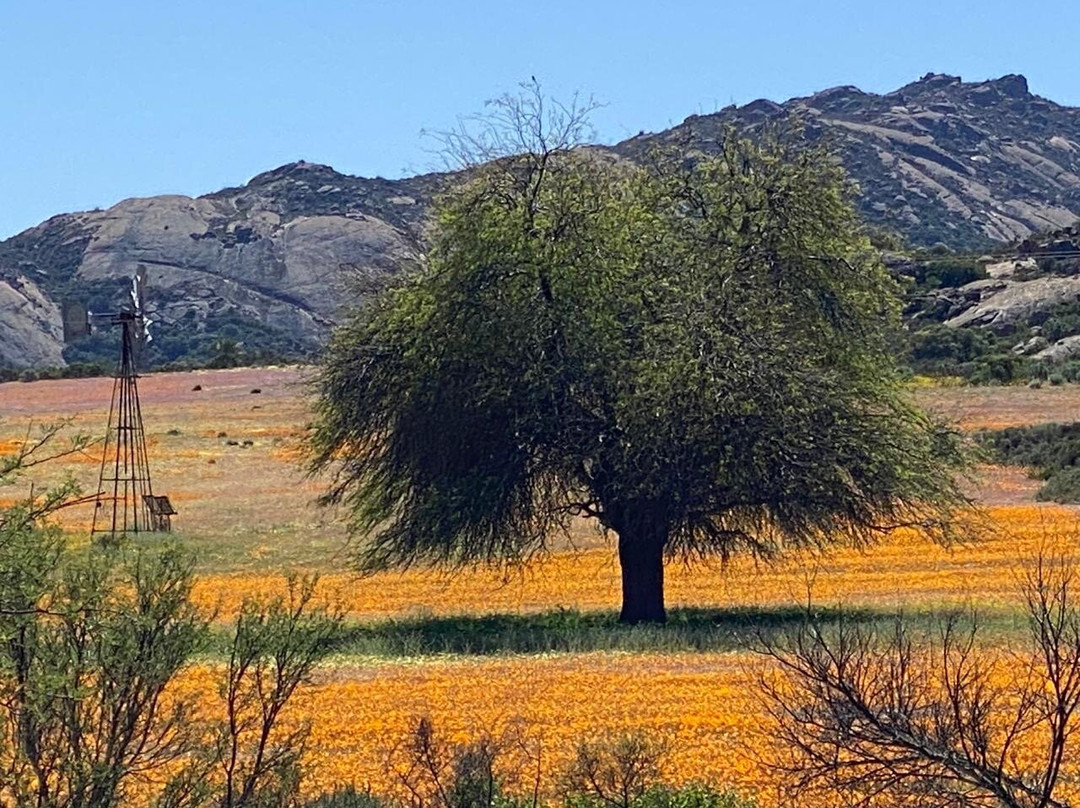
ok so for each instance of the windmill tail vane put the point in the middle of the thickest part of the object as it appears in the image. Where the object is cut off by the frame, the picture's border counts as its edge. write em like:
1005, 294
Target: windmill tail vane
125, 501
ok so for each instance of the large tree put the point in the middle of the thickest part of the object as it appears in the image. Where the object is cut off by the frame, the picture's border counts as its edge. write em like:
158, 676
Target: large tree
692, 351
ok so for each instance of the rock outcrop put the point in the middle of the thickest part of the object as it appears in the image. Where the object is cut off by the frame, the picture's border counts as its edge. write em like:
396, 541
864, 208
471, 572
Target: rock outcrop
281, 254
939, 160
30, 328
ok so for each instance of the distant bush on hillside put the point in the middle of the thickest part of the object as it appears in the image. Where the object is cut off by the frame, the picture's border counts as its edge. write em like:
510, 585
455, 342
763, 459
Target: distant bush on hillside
947, 272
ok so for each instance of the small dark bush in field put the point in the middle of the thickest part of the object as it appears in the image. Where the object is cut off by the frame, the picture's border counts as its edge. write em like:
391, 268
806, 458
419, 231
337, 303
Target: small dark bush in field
1061, 486
173, 432
196, 388
223, 434
436, 773
348, 797
256, 391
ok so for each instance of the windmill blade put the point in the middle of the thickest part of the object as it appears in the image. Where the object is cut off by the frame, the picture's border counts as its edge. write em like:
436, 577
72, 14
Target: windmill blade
139, 287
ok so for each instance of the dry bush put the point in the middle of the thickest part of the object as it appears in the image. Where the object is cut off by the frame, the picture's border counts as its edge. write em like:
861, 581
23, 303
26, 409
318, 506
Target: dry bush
433, 772
615, 773
864, 718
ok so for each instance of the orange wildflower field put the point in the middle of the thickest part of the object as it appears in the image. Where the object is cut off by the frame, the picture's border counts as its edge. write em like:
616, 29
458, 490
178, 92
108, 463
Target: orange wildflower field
228, 457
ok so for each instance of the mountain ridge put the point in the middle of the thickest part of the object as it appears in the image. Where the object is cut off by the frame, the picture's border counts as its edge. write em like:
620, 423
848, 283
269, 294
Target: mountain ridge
271, 263
939, 159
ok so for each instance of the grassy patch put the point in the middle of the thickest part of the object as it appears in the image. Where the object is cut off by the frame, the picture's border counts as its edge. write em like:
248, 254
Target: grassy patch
574, 632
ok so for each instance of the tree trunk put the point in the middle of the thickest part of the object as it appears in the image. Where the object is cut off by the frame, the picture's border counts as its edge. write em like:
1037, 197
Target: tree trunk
641, 557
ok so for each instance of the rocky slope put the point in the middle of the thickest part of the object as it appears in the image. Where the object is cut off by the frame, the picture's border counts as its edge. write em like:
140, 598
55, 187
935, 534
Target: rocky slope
939, 160
271, 263
274, 259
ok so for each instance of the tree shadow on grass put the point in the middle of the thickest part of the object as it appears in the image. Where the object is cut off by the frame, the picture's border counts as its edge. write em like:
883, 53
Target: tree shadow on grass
568, 631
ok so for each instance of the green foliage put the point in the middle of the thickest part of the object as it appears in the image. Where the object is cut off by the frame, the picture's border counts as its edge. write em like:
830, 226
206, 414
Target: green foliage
89, 647
569, 631
695, 354
1044, 446
940, 273
949, 346
1051, 451
976, 355
274, 648
91, 640
615, 772
1061, 486
663, 796
692, 796
627, 771
348, 797
503, 770
1003, 368
1063, 321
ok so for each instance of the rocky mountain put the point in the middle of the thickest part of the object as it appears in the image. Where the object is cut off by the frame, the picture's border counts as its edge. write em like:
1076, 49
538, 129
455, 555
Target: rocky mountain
939, 160
270, 264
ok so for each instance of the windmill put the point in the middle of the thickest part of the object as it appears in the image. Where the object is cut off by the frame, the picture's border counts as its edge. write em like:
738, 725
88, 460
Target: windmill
125, 502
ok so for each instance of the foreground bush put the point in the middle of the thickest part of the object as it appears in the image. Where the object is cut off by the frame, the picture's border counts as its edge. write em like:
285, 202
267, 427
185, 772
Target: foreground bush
91, 643
503, 770
863, 718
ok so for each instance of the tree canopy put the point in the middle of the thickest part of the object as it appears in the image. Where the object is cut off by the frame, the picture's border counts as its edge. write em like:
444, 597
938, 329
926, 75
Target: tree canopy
693, 351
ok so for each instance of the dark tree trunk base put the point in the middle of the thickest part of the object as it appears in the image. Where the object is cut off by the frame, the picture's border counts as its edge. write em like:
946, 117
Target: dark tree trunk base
641, 558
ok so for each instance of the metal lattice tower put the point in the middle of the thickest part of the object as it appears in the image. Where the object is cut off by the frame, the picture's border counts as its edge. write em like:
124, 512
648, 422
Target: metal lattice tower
125, 501
124, 486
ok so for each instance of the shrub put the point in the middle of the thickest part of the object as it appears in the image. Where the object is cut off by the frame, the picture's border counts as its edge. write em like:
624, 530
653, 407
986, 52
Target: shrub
910, 717
1061, 486
691, 796
999, 369
616, 773
1052, 451
948, 273
91, 640
348, 797
941, 342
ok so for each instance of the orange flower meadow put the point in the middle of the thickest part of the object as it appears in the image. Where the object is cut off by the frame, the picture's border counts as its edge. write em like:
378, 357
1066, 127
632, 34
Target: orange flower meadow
228, 459
703, 703
903, 570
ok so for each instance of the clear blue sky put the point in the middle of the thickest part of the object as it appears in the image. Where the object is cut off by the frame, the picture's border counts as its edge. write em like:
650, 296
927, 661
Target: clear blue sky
106, 100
